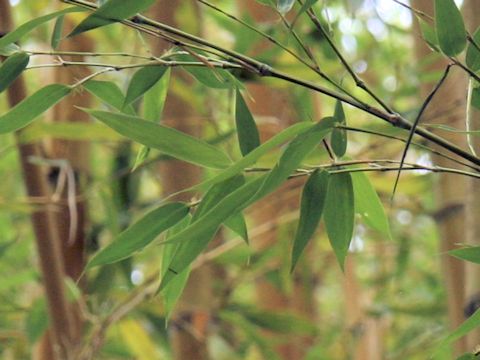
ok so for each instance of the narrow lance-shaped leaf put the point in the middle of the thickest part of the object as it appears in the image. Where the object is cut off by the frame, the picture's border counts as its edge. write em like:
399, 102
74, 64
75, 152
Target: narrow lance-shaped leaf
472, 58
140, 234
468, 325
168, 140
201, 231
450, 27
339, 136
57, 32
142, 81
428, 34
110, 12
109, 93
311, 208
24, 29
33, 106
340, 214
471, 254
248, 136
11, 68
368, 204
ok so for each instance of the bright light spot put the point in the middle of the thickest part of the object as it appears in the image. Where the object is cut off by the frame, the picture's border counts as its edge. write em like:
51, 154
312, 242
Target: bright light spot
404, 217
393, 13
390, 83
14, 2
459, 2
358, 243
360, 66
377, 28
349, 44
137, 277
423, 160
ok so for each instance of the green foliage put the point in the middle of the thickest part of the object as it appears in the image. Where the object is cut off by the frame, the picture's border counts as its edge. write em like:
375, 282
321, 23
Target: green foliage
12, 68
449, 27
247, 131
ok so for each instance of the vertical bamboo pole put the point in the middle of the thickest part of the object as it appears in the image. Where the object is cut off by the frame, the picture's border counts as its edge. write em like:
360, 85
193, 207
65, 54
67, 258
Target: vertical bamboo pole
44, 223
450, 189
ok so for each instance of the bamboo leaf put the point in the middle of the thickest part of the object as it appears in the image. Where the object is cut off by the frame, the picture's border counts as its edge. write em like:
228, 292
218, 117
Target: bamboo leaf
428, 34
33, 106
468, 325
140, 234
154, 98
475, 102
11, 68
339, 136
284, 6
109, 93
311, 208
472, 58
340, 214
110, 12
142, 81
168, 140
471, 254
368, 204
248, 136
24, 29
449, 27
57, 32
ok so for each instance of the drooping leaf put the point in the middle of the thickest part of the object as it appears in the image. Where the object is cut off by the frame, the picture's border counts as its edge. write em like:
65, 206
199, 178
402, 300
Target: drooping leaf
475, 101
472, 57
339, 136
284, 6
468, 325
33, 106
237, 224
109, 93
154, 98
428, 34
340, 214
196, 237
172, 292
200, 232
168, 140
471, 254
24, 29
142, 81
12, 68
110, 12
311, 209
57, 32
140, 234
449, 27
368, 204
248, 136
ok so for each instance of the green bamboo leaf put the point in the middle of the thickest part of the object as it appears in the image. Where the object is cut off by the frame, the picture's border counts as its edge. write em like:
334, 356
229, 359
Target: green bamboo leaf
140, 234
368, 204
340, 214
24, 29
468, 325
200, 232
196, 237
109, 93
57, 32
284, 6
475, 101
142, 81
154, 98
472, 58
168, 140
171, 294
471, 254
36, 321
449, 27
110, 12
237, 224
311, 208
33, 106
248, 136
12, 68
428, 34
339, 136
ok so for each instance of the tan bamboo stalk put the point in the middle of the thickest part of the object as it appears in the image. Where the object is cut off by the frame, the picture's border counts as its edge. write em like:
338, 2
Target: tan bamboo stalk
44, 224
471, 9
450, 190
